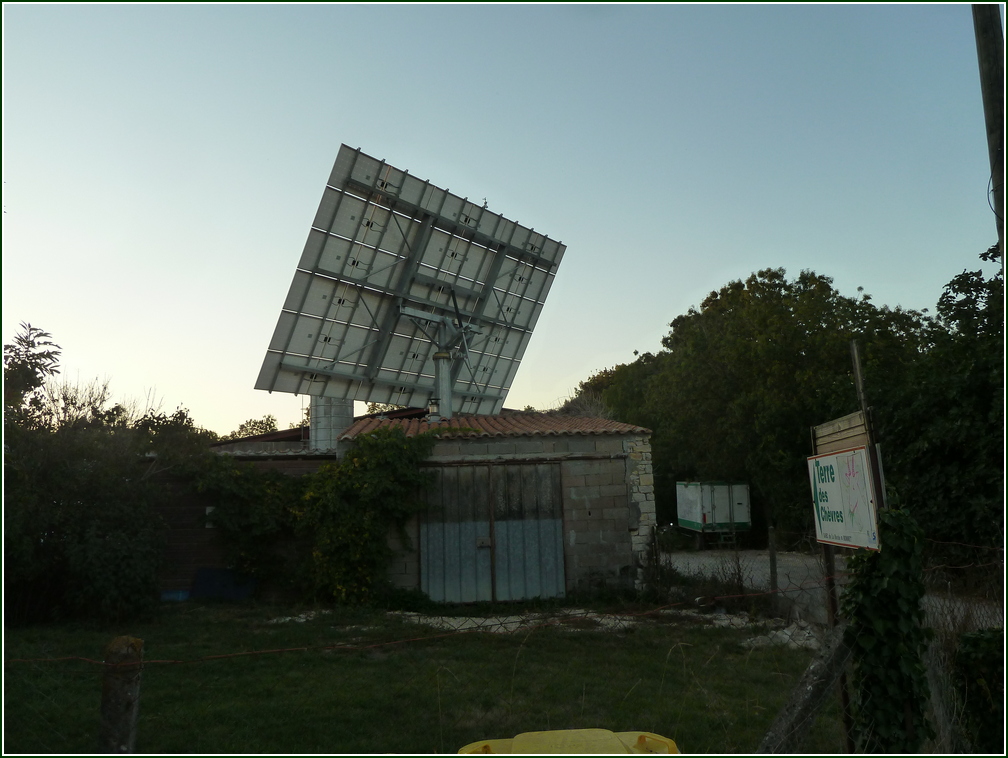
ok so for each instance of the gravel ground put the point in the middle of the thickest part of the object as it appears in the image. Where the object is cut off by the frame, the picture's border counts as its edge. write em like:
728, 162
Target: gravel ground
799, 576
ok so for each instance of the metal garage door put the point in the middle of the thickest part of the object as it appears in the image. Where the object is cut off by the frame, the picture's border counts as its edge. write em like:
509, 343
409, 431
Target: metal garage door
493, 532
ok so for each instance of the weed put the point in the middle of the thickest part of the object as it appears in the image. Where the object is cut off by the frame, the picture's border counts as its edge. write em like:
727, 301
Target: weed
344, 684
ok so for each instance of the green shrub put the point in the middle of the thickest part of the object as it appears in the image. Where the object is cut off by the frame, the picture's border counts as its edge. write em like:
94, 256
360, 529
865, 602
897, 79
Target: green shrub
980, 669
324, 534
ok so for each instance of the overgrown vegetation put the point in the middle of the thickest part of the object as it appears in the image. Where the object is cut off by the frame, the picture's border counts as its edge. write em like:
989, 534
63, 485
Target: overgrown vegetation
84, 477
980, 670
742, 378
324, 535
81, 537
342, 685
886, 633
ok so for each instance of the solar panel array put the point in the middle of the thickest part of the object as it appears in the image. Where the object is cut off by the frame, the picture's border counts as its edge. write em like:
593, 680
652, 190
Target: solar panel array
383, 240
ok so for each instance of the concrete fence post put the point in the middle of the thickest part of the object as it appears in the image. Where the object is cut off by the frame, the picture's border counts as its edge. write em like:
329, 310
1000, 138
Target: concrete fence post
120, 706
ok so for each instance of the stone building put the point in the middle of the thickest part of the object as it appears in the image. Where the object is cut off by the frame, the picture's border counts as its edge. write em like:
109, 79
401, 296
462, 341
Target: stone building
521, 505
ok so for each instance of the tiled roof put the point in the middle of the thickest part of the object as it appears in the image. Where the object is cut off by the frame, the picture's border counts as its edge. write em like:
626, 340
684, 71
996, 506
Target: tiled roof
296, 434
514, 425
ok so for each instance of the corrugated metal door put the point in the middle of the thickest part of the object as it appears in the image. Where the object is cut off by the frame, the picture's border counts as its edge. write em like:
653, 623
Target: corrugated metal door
493, 533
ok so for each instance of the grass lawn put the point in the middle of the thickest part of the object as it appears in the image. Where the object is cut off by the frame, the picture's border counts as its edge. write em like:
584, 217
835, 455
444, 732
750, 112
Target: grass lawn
371, 682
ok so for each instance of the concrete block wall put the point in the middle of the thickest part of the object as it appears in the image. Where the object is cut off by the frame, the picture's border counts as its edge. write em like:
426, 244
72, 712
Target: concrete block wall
598, 549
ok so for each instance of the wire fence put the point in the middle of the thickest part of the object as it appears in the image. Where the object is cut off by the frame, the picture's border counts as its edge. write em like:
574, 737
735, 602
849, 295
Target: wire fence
964, 594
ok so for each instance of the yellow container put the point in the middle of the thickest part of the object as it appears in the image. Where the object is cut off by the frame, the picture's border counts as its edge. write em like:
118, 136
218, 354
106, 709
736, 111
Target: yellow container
576, 742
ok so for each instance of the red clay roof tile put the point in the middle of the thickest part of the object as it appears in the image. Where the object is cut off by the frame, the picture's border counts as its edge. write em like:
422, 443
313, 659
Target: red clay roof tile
512, 425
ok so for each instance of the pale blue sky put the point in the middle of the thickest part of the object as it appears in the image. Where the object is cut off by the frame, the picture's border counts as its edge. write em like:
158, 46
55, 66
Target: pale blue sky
162, 165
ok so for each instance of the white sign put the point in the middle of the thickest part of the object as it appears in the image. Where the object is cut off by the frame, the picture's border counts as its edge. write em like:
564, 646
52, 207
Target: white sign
843, 498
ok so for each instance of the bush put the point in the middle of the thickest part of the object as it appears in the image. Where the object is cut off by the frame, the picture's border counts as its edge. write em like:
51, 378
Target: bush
325, 534
980, 666
81, 538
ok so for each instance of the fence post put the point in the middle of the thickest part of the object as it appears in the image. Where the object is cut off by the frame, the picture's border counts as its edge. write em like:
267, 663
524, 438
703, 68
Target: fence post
120, 706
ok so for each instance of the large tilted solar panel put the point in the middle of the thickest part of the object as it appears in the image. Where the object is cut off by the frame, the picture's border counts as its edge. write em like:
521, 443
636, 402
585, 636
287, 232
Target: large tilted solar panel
383, 240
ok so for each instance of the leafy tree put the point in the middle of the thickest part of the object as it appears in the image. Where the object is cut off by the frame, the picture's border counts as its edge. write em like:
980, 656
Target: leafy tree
305, 419
383, 407
81, 538
942, 426
28, 361
252, 427
743, 377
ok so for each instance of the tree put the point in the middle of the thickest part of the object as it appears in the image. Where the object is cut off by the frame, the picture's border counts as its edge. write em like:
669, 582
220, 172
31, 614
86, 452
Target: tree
942, 428
383, 407
743, 377
305, 419
29, 361
253, 426
81, 537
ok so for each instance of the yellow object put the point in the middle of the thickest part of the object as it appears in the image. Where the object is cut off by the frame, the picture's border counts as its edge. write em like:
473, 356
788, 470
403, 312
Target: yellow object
576, 742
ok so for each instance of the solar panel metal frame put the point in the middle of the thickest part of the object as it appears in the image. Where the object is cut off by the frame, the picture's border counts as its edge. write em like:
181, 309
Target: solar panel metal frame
382, 240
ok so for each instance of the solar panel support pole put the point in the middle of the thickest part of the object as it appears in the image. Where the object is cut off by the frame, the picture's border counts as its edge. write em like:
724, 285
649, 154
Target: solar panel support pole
443, 382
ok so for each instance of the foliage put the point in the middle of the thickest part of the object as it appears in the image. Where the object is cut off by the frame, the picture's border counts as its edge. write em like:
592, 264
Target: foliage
383, 407
305, 419
882, 603
252, 427
81, 538
326, 532
28, 362
254, 513
744, 376
980, 666
350, 505
942, 426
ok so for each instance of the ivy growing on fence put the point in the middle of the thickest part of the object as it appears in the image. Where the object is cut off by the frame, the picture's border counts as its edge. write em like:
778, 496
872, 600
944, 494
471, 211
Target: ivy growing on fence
887, 636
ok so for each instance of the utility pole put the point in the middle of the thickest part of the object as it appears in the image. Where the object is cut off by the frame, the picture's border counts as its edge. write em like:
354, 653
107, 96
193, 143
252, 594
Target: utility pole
990, 57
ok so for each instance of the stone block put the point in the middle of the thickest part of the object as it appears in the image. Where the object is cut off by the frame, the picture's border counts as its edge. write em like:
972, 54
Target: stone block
599, 478
578, 467
574, 480
612, 490
501, 447
580, 444
608, 445
647, 478
446, 450
530, 446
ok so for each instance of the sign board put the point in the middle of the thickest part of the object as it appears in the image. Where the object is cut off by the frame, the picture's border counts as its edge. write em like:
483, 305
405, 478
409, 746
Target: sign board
843, 498
841, 434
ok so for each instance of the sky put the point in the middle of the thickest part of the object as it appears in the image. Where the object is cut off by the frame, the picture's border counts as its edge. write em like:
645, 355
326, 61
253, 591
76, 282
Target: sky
162, 165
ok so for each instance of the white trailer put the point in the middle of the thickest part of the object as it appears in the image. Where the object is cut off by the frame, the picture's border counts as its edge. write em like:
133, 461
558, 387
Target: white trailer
713, 507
